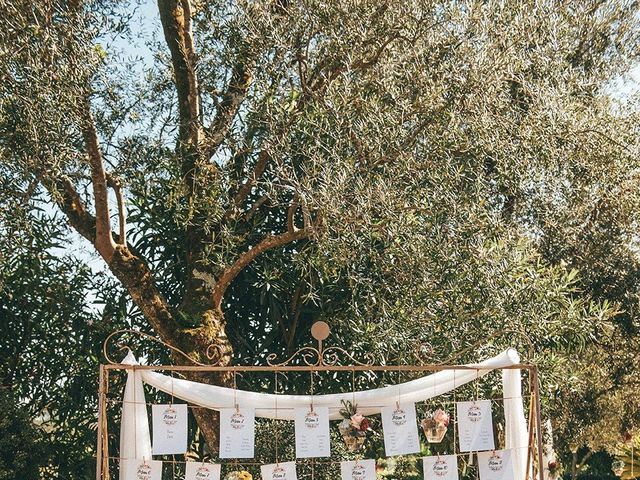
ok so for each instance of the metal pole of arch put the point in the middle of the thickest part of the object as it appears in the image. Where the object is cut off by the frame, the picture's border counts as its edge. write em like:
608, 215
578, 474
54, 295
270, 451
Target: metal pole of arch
536, 399
101, 408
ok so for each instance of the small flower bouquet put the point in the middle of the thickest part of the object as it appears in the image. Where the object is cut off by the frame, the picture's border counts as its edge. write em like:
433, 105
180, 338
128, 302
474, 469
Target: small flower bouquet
435, 426
354, 426
238, 475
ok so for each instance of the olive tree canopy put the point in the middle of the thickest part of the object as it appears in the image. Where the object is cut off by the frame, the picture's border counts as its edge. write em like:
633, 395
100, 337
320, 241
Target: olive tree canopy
412, 172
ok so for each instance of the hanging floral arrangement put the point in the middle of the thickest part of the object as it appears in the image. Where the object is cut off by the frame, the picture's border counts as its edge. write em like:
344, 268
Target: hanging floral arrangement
435, 426
354, 426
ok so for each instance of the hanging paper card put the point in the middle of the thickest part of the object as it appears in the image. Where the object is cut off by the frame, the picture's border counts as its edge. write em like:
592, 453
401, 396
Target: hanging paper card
138, 469
475, 426
443, 467
360, 470
169, 429
312, 432
202, 471
237, 432
279, 471
400, 429
495, 465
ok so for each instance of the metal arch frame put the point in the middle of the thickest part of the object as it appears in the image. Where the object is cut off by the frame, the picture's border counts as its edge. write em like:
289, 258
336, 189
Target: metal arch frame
326, 360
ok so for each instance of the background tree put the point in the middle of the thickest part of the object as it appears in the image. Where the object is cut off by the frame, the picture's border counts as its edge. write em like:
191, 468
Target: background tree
412, 171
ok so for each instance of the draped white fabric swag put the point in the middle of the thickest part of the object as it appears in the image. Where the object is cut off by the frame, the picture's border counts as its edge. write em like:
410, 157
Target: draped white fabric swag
134, 432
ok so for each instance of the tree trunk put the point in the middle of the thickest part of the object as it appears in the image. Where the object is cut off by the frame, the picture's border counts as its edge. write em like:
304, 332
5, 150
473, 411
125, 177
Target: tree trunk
208, 339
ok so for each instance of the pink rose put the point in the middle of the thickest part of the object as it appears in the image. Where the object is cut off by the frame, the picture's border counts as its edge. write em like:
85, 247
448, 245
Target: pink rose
356, 420
441, 417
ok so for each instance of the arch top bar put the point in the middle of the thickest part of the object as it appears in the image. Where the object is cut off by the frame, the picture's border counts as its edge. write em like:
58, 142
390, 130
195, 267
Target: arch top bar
308, 358
312, 368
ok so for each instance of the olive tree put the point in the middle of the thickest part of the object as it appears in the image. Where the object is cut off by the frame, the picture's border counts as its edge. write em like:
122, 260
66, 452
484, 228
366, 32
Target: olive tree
412, 171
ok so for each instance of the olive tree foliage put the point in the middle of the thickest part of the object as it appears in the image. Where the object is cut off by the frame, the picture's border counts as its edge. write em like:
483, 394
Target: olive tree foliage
416, 173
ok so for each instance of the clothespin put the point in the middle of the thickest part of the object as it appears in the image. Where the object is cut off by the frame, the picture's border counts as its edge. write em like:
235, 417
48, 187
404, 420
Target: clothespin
237, 408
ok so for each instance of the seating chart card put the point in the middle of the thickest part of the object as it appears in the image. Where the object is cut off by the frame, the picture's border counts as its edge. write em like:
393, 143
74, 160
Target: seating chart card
400, 429
279, 471
475, 426
359, 470
142, 469
202, 471
312, 432
237, 432
495, 465
169, 429
442, 467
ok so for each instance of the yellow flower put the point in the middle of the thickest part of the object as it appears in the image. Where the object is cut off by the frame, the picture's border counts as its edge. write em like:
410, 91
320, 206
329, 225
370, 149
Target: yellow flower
244, 475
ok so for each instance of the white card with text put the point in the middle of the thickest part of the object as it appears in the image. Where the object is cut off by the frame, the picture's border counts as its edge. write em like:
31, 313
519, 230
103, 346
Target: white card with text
360, 470
169, 428
139, 469
495, 465
312, 432
400, 429
237, 432
202, 471
442, 467
279, 471
475, 426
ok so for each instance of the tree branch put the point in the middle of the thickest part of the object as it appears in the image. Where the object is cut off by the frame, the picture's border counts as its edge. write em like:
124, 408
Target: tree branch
134, 274
175, 16
269, 242
122, 214
231, 100
127, 266
255, 207
73, 207
261, 165
103, 239
291, 214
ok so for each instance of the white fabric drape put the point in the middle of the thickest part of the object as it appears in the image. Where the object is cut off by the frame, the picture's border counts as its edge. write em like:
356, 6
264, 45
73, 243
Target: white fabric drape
368, 401
135, 441
516, 435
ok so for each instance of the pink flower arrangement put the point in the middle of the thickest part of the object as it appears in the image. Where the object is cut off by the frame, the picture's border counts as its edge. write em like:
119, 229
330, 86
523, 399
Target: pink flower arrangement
435, 426
354, 427
441, 417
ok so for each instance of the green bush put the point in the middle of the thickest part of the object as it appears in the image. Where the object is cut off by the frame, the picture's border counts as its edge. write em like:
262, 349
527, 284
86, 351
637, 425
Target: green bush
21, 447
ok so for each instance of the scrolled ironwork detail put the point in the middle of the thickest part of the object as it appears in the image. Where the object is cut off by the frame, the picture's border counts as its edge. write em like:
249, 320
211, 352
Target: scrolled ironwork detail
124, 346
330, 356
320, 357
214, 352
310, 356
